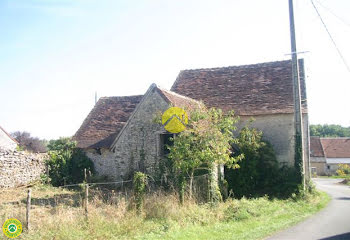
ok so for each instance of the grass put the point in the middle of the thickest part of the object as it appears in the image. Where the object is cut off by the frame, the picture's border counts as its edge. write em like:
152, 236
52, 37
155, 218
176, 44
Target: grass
57, 214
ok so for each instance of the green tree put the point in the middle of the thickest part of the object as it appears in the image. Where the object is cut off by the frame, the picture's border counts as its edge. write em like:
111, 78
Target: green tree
204, 144
66, 162
329, 130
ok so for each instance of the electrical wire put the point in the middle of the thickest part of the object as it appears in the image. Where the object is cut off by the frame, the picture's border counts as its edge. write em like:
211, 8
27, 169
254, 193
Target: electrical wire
331, 12
330, 36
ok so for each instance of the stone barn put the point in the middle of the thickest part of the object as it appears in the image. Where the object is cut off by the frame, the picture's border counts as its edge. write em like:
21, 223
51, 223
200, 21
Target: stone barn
263, 92
120, 136
131, 140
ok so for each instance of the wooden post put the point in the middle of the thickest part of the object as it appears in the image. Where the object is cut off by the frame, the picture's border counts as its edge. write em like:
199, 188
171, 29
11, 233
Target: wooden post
47, 173
85, 175
86, 199
28, 209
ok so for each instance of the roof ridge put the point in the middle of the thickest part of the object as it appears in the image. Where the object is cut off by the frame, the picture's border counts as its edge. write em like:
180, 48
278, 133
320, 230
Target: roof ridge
240, 66
106, 97
178, 95
334, 137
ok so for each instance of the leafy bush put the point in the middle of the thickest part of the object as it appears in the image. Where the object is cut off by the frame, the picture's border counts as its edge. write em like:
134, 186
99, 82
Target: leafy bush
66, 162
259, 172
343, 170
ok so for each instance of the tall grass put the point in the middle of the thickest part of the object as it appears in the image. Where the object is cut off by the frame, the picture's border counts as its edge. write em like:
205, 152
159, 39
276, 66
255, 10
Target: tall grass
162, 217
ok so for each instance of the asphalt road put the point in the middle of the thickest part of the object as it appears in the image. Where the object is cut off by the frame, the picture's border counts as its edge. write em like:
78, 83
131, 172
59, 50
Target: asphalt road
331, 223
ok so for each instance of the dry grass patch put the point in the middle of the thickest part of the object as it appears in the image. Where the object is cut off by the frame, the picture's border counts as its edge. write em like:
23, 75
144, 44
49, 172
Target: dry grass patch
162, 218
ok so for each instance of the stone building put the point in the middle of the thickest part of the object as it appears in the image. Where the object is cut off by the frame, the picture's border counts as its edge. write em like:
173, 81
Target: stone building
327, 153
263, 92
120, 136
101, 127
6, 141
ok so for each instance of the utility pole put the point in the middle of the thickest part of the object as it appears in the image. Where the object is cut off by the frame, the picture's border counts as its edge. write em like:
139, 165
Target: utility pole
298, 117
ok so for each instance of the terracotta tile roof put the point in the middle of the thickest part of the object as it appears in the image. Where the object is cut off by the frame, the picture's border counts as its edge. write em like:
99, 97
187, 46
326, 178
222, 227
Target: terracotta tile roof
257, 89
177, 100
105, 121
336, 147
316, 149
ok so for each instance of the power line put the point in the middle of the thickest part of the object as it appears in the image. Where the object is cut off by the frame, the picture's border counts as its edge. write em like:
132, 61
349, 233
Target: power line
330, 36
335, 15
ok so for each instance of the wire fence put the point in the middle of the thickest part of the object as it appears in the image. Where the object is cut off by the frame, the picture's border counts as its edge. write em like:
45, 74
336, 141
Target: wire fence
82, 198
124, 188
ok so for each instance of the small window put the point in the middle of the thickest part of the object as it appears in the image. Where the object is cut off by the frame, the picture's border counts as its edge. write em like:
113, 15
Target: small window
98, 151
165, 140
328, 167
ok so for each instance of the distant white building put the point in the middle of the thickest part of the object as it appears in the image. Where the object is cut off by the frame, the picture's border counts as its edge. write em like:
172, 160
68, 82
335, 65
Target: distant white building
327, 153
6, 141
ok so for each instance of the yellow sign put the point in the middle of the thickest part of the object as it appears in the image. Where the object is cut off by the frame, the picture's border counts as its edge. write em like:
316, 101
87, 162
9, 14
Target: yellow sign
12, 228
175, 119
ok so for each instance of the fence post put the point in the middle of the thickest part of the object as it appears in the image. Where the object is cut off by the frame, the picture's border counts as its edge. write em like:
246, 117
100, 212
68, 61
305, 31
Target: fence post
28, 209
86, 199
47, 173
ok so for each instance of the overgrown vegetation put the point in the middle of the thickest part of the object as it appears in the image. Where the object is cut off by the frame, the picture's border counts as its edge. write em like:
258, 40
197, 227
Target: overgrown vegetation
57, 214
259, 173
139, 187
67, 162
203, 145
331, 130
210, 140
343, 170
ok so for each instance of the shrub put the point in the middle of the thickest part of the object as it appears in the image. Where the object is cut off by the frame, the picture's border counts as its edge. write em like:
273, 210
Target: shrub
66, 162
259, 173
343, 170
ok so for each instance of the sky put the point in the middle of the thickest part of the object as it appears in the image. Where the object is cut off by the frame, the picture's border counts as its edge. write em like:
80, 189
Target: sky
55, 54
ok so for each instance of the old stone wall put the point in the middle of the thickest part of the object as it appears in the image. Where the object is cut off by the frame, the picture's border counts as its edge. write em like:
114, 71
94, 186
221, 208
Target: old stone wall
20, 168
137, 149
104, 161
278, 129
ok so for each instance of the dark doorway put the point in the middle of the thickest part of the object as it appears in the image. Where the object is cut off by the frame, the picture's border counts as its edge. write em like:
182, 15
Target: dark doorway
166, 139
